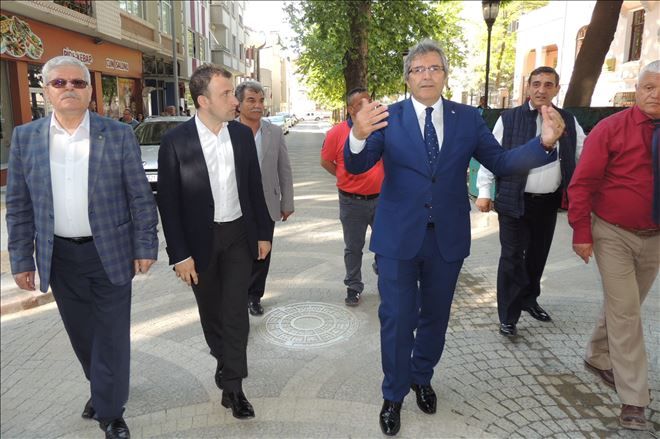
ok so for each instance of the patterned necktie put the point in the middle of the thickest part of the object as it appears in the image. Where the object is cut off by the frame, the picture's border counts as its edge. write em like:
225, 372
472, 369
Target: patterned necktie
431, 137
655, 154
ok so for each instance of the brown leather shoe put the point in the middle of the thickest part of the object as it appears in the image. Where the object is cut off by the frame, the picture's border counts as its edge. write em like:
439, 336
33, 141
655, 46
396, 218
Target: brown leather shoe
633, 417
604, 374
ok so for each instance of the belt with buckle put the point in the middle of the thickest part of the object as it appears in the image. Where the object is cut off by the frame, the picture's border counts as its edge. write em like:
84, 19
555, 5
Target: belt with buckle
358, 196
78, 240
224, 223
548, 195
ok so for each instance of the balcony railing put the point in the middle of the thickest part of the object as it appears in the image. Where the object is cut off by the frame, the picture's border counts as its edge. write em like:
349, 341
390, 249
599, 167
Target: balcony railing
82, 6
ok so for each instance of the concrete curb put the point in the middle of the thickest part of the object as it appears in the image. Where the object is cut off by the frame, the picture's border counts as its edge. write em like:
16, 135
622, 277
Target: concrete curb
28, 300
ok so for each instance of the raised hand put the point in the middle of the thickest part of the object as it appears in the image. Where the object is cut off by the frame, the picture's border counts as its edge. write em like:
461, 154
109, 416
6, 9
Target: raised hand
369, 119
552, 127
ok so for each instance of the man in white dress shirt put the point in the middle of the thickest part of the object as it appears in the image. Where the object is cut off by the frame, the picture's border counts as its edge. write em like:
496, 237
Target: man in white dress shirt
527, 203
216, 222
78, 193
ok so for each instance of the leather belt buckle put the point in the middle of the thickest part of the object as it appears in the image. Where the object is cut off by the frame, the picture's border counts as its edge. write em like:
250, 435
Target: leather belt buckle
78, 240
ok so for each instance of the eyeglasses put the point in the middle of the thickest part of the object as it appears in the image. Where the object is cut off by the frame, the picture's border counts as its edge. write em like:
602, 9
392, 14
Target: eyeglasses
61, 83
421, 69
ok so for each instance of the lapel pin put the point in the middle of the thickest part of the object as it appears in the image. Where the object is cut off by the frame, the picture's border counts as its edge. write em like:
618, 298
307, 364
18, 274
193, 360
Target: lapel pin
453, 112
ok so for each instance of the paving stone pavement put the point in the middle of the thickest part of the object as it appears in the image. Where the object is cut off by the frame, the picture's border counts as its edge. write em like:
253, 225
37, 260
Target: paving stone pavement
315, 364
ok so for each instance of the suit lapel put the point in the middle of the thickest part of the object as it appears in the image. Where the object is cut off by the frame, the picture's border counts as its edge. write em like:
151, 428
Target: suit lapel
97, 137
42, 157
409, 119
449, 121
238, 153
194, 146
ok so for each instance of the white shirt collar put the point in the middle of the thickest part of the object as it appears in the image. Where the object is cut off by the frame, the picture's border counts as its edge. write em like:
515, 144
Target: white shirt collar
420, 109
54, 123
201, 128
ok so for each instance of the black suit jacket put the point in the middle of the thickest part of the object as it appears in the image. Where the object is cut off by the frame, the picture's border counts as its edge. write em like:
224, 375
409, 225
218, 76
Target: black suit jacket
184, 194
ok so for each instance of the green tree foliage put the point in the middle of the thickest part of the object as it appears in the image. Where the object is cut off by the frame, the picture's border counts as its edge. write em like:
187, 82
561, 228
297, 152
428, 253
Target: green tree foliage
331, 56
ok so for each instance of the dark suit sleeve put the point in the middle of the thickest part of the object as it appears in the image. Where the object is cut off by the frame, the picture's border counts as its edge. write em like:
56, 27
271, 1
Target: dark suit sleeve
141, 201
508, 162
169, 201
20, 212
368, 157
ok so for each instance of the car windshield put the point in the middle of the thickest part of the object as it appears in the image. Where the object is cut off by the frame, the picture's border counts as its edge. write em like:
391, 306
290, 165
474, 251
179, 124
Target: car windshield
149, 133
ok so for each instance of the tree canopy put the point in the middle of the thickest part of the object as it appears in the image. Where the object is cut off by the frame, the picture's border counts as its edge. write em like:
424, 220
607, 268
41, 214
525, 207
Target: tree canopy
344, 43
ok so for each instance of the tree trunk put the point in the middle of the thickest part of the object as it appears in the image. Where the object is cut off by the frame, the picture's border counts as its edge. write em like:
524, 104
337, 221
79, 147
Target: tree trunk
591, 57
355, 58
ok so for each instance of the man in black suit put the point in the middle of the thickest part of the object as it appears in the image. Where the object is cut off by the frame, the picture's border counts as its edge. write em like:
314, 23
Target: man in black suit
216, 222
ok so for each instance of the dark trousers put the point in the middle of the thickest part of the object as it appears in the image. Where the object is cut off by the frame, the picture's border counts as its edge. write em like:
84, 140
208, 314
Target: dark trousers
355, 215
221, 294
97, 318
259, 274
416, 297
525, 245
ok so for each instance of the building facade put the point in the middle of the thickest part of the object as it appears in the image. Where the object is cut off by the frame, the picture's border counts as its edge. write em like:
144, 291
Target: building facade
228, 37
553, 36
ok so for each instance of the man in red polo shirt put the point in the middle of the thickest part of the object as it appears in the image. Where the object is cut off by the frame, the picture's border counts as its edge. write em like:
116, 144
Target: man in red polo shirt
358, 196
614, 212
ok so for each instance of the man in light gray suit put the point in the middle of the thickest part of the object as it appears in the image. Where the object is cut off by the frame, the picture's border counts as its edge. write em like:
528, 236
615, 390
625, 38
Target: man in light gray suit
276, 175
77, 191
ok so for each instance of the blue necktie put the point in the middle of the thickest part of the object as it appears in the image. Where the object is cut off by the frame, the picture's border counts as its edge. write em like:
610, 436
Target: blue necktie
655, 154
430, 137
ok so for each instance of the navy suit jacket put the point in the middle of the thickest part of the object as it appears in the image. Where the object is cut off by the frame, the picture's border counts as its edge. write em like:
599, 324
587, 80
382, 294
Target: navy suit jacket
121, 208
412, 186
185, 199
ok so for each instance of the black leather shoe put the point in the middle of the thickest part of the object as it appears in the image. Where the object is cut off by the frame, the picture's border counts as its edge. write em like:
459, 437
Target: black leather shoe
240, 406
218, 376
390, 417
426, 399
538, 313
88, 412
255, 308
116, 429
508, 329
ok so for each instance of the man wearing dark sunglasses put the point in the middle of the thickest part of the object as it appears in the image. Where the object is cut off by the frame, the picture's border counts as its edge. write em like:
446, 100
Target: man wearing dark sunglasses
77, 191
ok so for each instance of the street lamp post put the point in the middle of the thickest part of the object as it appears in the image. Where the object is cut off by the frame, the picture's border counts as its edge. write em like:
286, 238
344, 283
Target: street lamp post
405, 83
490, 8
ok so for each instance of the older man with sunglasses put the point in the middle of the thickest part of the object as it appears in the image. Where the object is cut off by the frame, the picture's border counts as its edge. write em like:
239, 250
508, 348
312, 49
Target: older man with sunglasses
77, 191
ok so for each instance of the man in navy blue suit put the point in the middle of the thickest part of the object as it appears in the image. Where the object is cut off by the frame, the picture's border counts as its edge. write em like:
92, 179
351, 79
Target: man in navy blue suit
421, 233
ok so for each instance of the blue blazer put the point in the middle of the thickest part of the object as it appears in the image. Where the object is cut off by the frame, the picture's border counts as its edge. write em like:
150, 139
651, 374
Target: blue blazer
413, 189
122, 209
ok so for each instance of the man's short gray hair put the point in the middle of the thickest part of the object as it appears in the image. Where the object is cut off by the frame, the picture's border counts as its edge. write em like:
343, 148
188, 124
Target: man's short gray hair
61, 61
250, 85
652, 67
425, 46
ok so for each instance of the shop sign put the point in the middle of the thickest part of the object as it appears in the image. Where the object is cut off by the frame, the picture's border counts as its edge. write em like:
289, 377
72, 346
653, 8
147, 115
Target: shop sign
18, 40
116, 64
85, 57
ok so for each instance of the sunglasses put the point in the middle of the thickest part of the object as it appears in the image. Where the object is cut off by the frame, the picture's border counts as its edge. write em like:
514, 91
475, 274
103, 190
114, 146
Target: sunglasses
61, 83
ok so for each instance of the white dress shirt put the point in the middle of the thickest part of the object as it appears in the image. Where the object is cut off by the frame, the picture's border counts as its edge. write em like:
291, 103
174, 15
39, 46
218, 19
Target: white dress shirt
257, 140
219, 157
545, 179
420, 110
69, 170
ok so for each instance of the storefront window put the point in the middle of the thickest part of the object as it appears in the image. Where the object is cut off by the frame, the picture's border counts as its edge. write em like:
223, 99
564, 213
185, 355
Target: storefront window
125, 94
40, 108
6, 118
110, 96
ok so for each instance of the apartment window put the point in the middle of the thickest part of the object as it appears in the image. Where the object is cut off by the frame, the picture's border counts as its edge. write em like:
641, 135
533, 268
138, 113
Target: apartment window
192, 44
636, 31
133, 7
166, 16
234, 47
240, 52
202, 48
579, 39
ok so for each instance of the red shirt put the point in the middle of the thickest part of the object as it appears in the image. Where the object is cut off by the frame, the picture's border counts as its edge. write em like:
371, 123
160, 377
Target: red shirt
367, 183
614, 176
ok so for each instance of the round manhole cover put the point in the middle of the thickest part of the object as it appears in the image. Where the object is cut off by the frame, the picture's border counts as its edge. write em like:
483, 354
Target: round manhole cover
307, 325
